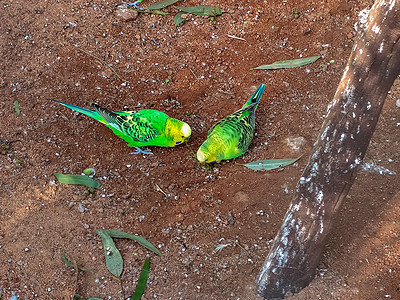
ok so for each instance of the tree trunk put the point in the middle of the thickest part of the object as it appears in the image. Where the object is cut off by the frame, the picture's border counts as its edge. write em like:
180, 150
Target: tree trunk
352, 116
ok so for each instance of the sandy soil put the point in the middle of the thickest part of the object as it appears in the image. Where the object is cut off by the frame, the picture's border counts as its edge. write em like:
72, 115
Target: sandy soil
84, 51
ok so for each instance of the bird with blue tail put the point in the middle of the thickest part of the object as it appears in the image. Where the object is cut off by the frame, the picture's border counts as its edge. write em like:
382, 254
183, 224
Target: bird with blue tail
231, 136
147, 127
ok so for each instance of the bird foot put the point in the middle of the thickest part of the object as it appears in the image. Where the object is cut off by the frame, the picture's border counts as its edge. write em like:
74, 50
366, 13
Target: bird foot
140, 151
134, 4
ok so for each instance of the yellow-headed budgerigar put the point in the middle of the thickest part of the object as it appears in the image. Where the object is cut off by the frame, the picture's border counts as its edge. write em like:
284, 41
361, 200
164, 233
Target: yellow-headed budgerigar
145, 127
231, 136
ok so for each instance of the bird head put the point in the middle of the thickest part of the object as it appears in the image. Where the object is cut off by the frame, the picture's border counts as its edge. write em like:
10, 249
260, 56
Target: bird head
186, 131
178, 131
204, 156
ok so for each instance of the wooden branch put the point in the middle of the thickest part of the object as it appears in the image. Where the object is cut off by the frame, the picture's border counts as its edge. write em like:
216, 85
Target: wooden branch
352, 116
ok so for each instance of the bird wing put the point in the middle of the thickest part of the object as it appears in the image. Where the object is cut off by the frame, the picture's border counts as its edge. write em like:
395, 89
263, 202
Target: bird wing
132, 126
240, 123
140, 127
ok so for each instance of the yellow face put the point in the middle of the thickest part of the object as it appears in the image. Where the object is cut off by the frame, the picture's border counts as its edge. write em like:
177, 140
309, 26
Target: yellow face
182, 134
203, 157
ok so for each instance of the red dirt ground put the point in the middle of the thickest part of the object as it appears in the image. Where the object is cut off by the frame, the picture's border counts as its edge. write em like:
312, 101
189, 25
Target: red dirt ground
82, 51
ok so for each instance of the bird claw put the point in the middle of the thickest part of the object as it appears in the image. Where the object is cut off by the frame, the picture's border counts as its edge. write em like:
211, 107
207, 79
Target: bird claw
134, 4
140, 151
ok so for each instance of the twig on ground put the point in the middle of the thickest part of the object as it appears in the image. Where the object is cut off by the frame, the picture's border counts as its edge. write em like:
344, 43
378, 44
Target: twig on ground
102, 62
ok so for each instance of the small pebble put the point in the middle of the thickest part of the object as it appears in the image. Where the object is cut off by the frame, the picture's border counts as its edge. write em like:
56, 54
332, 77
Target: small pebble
295, 143
81, 208
126, 14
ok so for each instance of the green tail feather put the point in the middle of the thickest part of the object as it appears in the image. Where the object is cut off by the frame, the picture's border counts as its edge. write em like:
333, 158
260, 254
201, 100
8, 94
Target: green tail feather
256, 96
93, 114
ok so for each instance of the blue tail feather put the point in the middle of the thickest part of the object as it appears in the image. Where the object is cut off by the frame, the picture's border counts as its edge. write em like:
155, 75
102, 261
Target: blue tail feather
93, 114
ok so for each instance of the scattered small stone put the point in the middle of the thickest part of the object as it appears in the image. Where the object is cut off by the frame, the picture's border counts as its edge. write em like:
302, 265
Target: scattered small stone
286, 190
126, 196
81, 208
231, 218
106, 73
398, 102
126, 14
295, 143
241, 197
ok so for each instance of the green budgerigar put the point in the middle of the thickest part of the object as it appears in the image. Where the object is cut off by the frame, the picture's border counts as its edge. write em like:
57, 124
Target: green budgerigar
145, 127
231, 136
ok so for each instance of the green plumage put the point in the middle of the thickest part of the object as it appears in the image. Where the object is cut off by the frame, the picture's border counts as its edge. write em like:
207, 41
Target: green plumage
146, 127
231, 136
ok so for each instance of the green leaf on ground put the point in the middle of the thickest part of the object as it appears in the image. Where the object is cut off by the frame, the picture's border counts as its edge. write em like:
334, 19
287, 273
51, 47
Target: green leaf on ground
285, 64
142, 241
178, 20
270, 164
142, 282
71, 264
147, 11
77, 179
89, 171
16, 107
205, 11
18, 161
113, 257
161, 4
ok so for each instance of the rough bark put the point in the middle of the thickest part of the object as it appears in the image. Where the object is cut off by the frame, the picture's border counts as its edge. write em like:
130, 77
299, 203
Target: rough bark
352, 116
